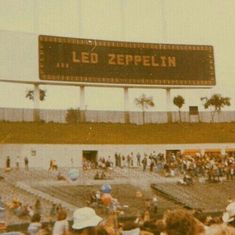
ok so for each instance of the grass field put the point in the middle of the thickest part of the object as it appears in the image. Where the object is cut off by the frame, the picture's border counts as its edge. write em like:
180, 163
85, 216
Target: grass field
98, 133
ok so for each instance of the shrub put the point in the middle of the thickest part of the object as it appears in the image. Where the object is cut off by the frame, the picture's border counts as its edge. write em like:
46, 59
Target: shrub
73, 115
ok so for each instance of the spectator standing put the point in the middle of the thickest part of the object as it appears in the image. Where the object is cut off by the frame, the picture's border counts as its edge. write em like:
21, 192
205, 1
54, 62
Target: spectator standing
50, 165
8, 162
138, 156
128, 160
144, 162
151, 165
18, 162
116, 159
26, 163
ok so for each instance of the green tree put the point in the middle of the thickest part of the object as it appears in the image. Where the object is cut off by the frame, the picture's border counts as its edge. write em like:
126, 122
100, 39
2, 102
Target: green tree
72, 116
179, 102
144, 103
216, 102
30, 94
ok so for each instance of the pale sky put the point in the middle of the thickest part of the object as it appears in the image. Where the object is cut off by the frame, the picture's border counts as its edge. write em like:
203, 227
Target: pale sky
203, 22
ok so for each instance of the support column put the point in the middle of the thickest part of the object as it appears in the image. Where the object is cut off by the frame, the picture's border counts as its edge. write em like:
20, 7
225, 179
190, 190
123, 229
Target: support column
82, 104
168, 105
80, 18
126, 105
36, 102
36, 14
164, 22
123, 20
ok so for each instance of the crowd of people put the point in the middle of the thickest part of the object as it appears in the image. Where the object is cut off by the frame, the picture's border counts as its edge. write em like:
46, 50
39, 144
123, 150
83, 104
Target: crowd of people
85, 221
212, 167
20, 208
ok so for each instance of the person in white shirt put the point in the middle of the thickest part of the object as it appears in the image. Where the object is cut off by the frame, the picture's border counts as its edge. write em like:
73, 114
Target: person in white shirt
61, 226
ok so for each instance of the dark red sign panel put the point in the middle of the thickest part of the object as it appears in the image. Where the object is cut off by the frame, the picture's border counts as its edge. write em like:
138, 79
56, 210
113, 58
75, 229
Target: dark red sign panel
97, 61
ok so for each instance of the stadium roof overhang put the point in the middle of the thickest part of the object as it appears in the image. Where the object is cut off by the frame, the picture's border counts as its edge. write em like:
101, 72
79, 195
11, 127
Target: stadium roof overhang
69, 83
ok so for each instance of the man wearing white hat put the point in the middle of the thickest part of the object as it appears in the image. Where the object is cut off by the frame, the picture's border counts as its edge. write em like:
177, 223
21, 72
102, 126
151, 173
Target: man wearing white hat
85, 220
229, 214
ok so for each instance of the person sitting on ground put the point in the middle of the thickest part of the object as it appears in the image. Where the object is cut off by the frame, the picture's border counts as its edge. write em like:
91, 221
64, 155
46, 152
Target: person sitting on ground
61, 226
103, 176
21, 210
35, 224
97, 175
14, 203
187, 180
60, 177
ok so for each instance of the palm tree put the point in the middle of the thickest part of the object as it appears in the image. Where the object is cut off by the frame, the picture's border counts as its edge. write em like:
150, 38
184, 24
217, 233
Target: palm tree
216, 101
144, 103
179, 102
30, 94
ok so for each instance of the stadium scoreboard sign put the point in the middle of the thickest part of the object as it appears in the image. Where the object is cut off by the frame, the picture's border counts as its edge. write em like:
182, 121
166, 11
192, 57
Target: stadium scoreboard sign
112, 62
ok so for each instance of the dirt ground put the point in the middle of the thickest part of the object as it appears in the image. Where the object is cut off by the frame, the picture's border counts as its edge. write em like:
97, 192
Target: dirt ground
130, 204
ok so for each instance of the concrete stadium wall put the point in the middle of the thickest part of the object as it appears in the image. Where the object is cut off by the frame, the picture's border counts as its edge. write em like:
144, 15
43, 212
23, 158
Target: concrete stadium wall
19, 55
58, 116
66, 155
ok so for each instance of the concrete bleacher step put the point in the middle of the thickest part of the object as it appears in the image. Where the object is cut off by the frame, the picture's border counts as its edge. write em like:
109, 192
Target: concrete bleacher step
45, 196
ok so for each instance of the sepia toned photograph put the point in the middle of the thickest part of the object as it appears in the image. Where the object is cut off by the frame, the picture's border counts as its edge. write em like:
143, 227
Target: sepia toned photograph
117, 117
